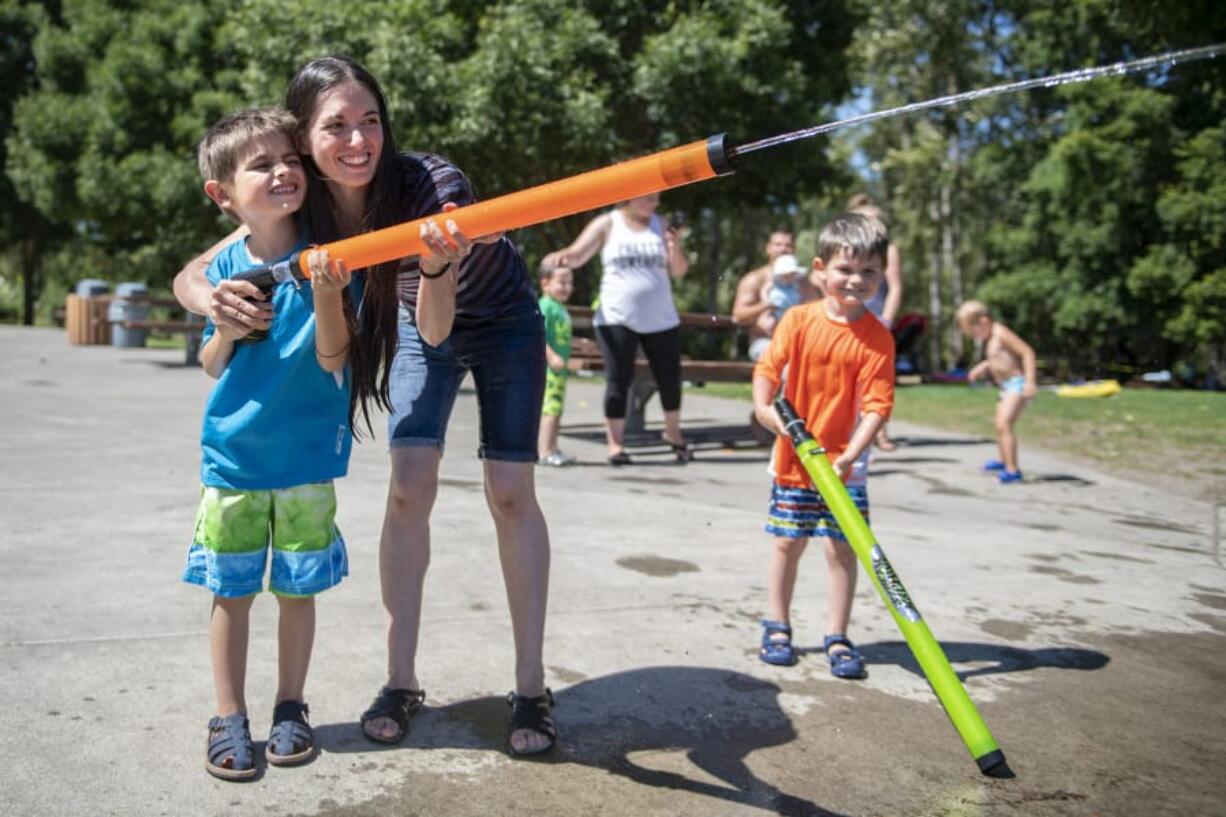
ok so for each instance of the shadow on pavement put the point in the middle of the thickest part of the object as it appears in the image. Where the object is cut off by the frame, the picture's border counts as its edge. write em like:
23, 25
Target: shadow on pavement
1001, 659
716, 717
922, 442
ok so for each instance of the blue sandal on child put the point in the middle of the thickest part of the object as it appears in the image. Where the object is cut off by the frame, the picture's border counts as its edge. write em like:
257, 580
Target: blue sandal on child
776, 650
230, 754
846, 663
291, 740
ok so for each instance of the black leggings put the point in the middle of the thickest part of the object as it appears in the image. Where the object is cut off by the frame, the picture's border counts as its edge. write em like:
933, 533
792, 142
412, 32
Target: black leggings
618, 345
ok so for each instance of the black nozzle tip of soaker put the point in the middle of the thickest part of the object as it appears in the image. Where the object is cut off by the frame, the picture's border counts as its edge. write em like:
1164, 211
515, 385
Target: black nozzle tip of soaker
720, 154
993, 764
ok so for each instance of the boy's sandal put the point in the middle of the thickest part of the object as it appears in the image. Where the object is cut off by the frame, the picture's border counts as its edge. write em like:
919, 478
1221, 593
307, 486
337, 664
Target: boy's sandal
532, 713
620, 458
846, 663
396, 705
291, 740
777, 651
229, 753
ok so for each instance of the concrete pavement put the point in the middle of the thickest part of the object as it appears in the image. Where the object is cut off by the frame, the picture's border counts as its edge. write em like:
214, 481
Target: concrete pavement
1087, 615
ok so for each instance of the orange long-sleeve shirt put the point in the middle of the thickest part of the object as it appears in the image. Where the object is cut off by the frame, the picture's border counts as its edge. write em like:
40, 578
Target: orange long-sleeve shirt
835, 371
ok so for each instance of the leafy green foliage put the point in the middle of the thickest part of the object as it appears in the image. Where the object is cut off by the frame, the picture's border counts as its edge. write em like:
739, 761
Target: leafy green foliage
518, 93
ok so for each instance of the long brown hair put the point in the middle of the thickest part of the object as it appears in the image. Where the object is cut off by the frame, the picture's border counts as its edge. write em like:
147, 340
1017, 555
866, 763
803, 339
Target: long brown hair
373, 325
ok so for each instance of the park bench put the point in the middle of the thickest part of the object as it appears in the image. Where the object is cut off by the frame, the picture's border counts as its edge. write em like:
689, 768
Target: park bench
585, 359
190, 328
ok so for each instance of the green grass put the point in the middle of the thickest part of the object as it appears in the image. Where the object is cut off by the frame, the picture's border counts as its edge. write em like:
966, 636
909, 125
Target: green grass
1145, 434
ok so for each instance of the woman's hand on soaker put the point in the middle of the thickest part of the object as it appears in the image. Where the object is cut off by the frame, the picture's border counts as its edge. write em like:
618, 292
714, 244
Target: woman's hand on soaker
239, 306
327, 276
450, 247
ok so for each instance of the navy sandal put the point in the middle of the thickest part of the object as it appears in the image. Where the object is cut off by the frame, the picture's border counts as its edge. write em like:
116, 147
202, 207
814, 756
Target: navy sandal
396, 705
291, 741
777, 651
229, 754
846, 663
532, 713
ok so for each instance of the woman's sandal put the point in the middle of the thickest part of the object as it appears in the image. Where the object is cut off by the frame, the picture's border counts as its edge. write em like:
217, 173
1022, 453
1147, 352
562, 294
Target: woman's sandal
532, 713
229, 753
846, 663
394, 704
291, 741
777, 651
682, 452
620, 458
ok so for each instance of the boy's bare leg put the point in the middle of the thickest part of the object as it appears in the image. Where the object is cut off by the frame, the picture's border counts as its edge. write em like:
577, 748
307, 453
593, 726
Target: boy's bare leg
547, 439
523, 549
781, 575
1007, 411
229, 626
615, 432
295, 640
404, 556
840, 586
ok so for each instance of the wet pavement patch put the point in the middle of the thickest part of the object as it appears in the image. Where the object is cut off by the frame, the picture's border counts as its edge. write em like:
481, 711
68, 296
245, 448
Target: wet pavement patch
1155, 524
657, 565
1065, 575
1117, 556
1010, 630
1215, 600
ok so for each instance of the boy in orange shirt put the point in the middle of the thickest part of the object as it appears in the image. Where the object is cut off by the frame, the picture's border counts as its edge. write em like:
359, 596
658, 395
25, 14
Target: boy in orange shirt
835, 363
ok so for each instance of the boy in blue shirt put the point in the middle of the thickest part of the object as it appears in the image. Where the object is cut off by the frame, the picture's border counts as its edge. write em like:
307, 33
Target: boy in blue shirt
276, 433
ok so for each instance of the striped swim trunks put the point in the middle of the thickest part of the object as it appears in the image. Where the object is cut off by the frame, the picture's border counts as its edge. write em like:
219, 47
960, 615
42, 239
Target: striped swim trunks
801, 512
236, 530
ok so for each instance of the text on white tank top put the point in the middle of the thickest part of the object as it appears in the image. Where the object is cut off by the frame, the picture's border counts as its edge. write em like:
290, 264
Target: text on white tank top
635, 290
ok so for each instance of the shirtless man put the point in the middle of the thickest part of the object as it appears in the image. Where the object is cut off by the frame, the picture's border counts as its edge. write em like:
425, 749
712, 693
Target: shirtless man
1009, 362
751, 308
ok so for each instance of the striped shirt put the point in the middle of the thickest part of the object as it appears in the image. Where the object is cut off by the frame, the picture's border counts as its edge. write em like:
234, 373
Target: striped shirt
493, 280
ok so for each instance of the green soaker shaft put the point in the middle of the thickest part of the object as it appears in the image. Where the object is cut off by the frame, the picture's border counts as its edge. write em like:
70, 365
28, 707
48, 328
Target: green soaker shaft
958, 705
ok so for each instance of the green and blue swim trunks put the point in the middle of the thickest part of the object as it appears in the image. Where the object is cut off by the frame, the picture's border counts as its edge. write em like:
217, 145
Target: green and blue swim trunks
236, 531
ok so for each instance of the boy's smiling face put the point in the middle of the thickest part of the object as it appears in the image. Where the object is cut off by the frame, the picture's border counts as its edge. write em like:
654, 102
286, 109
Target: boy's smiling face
560, 284
268, 180
848, 281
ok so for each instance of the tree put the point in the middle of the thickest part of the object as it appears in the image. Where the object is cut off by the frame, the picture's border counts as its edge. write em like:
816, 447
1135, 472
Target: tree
518, 92
23, 228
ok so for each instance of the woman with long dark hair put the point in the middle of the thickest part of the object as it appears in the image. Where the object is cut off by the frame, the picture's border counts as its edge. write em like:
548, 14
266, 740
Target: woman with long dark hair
423, 323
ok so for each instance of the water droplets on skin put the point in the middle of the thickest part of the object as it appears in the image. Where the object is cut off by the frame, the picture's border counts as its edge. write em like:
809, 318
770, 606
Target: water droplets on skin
1167, 61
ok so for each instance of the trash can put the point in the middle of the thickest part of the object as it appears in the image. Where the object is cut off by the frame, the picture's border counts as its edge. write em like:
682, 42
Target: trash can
85, 313
89, 287
131, 303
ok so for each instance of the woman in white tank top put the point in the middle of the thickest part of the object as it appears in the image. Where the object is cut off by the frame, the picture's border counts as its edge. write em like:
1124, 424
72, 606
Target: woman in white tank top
639, 257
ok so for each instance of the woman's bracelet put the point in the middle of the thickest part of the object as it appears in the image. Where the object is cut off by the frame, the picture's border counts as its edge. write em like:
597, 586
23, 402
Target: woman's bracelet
432, 275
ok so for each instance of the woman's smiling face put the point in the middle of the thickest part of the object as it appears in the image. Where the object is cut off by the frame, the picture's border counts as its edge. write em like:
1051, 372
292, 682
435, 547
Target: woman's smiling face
345, 136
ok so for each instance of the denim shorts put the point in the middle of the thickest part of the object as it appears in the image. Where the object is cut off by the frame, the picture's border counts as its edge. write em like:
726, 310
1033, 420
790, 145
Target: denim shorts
507, 359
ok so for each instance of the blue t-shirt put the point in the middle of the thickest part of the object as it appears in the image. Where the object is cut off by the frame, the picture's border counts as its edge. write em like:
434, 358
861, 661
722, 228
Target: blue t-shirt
274, 419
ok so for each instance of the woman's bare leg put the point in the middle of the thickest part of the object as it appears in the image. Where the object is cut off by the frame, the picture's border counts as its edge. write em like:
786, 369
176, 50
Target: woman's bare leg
523, 549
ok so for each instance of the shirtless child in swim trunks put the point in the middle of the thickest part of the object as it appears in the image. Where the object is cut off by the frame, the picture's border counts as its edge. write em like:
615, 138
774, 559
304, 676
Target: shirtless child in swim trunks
1009, 362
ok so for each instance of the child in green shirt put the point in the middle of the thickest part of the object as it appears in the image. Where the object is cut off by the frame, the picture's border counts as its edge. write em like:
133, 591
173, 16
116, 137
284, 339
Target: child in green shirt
556, 285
